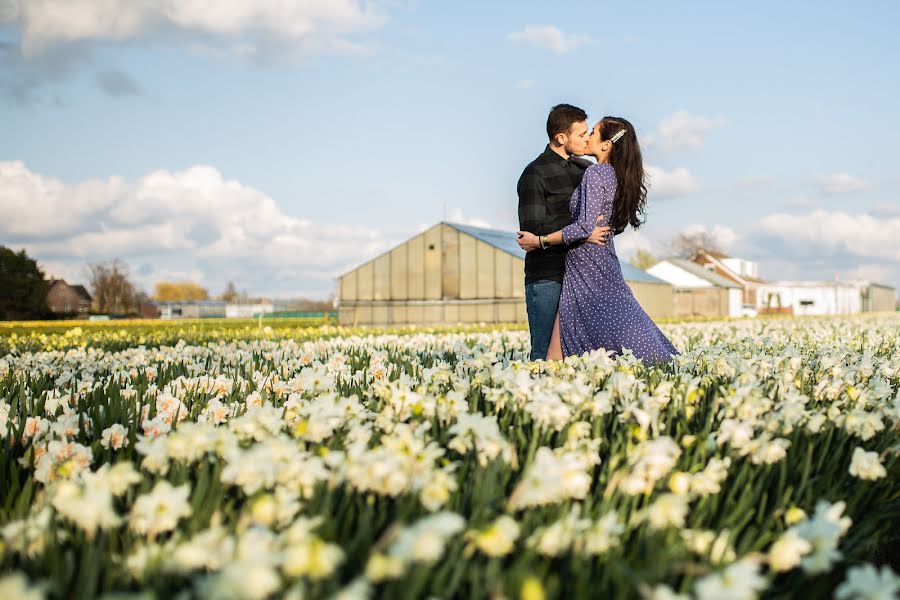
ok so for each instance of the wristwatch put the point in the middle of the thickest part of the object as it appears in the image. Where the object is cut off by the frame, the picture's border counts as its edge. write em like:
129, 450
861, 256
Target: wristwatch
545, 241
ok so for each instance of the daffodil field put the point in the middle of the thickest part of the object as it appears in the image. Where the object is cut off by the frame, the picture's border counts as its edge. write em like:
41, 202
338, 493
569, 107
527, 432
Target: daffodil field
320, 462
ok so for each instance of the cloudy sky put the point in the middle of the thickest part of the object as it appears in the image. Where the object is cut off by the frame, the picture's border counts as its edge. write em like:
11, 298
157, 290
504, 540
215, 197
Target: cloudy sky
278, 143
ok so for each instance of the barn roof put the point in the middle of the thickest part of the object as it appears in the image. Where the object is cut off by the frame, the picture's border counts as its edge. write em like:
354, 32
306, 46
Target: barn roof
498, 238
702, 272
506, 241
82, 292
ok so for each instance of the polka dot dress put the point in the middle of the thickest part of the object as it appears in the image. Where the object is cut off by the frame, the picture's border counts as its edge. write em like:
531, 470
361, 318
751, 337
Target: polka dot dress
597, 308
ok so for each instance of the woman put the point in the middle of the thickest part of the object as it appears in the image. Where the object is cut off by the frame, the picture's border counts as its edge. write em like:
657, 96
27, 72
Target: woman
596, 308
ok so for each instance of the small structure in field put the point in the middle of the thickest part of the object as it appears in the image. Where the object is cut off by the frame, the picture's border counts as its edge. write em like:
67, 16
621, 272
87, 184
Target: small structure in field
699, 292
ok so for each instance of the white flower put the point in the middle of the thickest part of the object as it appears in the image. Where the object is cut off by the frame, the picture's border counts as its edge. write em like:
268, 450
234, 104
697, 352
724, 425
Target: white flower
436, 492
358, 589
15, 585
865, 582
739, 581
88, 506
649, 461
823, 531
698, 540
380, 567
604, 534
661, 592
561, 535
160, 510
242, 580
314, 559
770, 452
866, 465
35, 427
482, 434
669, 510
680, 483
424, 541
815, 422
863, 424
156, 454
551, 479
709, 480
210, 549
28, 536
786, 552
4, 415
498, 539
115, 437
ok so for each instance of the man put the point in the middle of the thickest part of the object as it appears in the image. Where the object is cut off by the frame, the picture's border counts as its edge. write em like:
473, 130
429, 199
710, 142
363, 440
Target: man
545, 187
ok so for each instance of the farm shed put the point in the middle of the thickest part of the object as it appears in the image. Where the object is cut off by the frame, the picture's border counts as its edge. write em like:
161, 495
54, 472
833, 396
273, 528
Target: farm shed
453, 273
699, 292
826, 297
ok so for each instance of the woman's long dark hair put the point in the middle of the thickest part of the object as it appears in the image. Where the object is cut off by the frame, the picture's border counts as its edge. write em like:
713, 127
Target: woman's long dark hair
631, 185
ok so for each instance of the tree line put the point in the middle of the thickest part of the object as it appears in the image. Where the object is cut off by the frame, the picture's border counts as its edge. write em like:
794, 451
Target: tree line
24, 287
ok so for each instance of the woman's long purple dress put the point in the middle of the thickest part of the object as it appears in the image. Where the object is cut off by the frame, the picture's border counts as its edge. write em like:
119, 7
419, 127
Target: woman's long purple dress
596, 308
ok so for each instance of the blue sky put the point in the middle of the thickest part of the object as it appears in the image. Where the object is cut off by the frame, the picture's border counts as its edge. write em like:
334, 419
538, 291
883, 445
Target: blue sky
278, 144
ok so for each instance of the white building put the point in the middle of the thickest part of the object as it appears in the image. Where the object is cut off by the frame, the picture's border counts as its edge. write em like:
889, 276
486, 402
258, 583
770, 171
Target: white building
698, 291
245, 311
825, 297
743, 267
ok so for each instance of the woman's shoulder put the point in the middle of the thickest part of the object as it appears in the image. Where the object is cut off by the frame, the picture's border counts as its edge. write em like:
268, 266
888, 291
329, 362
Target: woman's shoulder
603, 171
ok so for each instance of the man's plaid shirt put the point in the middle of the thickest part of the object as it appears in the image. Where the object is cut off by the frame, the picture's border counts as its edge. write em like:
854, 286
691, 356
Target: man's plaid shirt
545, 188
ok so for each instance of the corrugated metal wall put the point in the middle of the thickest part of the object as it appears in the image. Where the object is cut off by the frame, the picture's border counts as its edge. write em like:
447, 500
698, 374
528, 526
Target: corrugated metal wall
701, 302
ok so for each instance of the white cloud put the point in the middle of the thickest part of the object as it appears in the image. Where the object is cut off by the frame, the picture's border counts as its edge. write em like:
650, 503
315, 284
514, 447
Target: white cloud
457, 216
550, 38
37, 205
311, 25
682, 130
871, 272
670, 184
833, 233
167, 225
840, 183
886, 210
631, 240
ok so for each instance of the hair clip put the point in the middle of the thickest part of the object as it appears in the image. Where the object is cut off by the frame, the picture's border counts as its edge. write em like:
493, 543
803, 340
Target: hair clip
618, 135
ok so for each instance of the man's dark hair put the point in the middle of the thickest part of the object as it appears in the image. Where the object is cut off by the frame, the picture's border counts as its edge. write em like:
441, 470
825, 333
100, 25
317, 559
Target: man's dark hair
562, 117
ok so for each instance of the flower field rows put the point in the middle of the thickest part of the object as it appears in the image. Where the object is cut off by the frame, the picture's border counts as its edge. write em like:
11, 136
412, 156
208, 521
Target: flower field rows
323, 462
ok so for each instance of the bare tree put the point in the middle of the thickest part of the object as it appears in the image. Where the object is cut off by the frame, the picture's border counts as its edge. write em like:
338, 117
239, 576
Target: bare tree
230, 294
111, 287
688, 244
643, 260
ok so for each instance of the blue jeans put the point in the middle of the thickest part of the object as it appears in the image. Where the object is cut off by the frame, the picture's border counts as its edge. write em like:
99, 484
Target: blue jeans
541, 304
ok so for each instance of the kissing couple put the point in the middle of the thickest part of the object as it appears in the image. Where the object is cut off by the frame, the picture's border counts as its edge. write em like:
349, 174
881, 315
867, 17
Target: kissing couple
575, 295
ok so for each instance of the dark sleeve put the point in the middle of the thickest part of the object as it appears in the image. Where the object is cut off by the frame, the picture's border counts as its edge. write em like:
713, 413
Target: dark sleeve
532, 203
